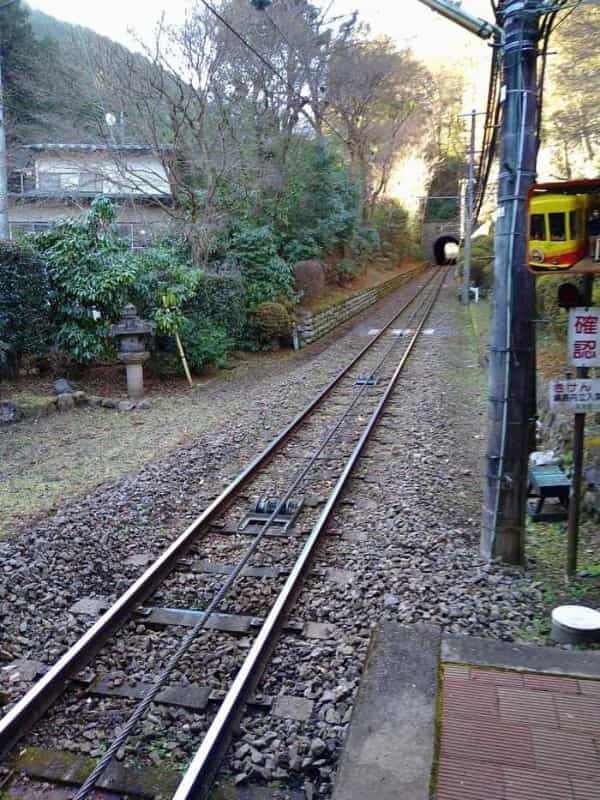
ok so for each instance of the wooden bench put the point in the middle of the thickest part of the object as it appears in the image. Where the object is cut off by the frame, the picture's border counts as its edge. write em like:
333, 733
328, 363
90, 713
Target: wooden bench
549, 482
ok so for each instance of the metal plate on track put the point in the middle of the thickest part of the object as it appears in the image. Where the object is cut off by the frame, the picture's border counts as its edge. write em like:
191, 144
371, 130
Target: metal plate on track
69, 768
210, 568
185, 617
228, 623
193, 697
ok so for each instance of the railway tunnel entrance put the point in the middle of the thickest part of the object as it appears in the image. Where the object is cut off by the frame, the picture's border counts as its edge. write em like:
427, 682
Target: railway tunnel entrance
440, 239
445, 250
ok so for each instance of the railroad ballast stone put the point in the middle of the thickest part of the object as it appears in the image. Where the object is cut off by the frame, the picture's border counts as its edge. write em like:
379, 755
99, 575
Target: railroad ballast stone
413, 505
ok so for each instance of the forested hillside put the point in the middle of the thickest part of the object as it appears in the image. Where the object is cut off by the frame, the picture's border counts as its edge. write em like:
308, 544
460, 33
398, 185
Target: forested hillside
51, 85
571, 132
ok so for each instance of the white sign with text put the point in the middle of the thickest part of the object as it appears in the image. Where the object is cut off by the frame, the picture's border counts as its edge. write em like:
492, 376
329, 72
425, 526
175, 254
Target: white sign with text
575, 394
584, 337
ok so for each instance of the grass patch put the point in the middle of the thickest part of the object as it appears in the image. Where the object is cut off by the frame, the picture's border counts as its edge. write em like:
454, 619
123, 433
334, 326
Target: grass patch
546, 549
480, 322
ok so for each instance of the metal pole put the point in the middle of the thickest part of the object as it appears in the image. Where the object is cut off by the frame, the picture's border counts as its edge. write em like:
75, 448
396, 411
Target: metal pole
3, 165
468, 232
578, 451
512, 351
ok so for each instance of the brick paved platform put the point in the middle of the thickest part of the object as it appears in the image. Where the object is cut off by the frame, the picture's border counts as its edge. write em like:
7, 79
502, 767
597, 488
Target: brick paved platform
509, 735
518, 722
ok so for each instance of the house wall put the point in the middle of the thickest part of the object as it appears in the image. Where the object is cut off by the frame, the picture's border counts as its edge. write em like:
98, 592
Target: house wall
139, 223
127, 174
50, 210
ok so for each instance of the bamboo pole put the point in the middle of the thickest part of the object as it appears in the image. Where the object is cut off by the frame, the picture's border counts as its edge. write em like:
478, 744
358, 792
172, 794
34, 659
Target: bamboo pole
186, 369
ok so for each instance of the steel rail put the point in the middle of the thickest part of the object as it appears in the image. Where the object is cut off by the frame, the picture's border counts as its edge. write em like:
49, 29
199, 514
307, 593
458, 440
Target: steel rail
143, 706
27, 711
198, 778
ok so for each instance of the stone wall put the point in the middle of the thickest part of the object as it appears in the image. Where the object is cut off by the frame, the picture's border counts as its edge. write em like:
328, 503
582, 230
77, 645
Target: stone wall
312, 325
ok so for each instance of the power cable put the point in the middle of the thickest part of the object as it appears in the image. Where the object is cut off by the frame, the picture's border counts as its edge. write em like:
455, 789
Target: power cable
266, 62
253, 50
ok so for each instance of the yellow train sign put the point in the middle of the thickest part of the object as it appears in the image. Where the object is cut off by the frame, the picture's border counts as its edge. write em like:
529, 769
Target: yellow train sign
564, 227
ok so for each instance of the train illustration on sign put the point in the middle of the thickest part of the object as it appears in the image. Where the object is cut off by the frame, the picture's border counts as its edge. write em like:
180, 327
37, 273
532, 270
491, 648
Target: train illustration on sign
564, 227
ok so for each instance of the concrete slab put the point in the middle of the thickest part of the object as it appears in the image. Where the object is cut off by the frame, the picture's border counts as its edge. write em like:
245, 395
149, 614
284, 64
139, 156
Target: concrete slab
63, 767
389, 750
192, 697
320, 630
289, 707
520, 657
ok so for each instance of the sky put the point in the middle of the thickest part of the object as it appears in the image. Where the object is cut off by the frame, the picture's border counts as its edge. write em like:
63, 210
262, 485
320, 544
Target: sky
407, 21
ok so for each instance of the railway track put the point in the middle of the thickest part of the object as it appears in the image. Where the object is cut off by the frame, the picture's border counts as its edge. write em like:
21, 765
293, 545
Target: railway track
236, 570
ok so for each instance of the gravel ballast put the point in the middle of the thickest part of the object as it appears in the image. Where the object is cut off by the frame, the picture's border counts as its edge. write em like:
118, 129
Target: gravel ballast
403, 545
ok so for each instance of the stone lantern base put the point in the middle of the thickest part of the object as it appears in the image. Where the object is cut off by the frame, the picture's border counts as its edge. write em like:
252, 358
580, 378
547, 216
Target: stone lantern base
135, 373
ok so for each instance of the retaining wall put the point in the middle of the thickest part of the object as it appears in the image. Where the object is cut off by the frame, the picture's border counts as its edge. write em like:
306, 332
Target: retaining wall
312, 325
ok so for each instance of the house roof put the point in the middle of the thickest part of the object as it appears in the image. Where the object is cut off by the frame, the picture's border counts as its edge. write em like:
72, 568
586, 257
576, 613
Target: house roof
96, 148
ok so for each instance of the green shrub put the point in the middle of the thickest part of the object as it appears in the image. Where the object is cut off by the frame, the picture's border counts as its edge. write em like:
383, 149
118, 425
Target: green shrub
272, 321
205, 344
317, 210
482, 262
555, 318
398, 234
25, 324
345, 270
221, 300
165, 283
90, 272
265, 275
365, 241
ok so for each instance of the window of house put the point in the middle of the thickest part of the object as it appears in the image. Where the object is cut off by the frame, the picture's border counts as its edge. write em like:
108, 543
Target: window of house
558, 227
49, 181
20, 227
122, 230
538, 228
90, 182
69, 180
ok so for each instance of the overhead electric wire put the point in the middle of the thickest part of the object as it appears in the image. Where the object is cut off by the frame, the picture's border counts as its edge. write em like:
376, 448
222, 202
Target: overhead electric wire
266, 62
490, 135
493, 107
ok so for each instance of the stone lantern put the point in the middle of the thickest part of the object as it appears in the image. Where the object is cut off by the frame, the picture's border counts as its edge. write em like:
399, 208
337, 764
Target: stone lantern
130, 333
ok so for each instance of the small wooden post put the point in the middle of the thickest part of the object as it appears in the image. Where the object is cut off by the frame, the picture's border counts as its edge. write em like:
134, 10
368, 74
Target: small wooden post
578, 451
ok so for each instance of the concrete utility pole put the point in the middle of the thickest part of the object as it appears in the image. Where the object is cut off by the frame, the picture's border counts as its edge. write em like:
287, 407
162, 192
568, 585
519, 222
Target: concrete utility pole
468, 232
512, 352
3, 167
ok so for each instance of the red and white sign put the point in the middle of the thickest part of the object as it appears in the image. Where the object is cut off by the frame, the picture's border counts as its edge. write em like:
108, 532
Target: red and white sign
584, 337
576, 394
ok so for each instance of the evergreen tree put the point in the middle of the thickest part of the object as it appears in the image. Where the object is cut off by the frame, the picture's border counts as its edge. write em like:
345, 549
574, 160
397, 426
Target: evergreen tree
21, 55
